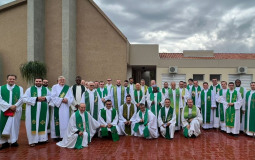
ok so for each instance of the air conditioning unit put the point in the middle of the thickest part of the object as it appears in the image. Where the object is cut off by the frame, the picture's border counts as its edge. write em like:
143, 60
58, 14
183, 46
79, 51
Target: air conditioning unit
242, 70
173, 69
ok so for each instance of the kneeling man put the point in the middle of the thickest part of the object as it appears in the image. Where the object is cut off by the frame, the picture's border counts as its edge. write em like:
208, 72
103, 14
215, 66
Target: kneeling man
145, 123
108, 118
81, 128
167, 120
191, 120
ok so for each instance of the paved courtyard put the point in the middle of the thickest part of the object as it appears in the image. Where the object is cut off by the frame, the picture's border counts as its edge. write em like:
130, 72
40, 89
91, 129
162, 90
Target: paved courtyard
211, 144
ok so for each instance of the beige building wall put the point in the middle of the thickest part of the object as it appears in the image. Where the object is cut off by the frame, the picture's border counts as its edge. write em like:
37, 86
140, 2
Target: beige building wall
101, 50
53, 39
206, 71
13, 41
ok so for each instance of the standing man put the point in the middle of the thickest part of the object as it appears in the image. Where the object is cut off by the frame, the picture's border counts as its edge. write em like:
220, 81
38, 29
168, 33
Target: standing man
165, 89
109, 85
250, 111
131, 85
215, 87
126, 86
138, 96
103, 92
11, 111
221, 95
46, 84
232, 104
62, 99
166, 120
195, 93
184, 94
127, 114
92, 100
155, 100
77, 91
185, 85
207, 104
150, 89
242, 91
37, 98
144, 88
118, 95
96, 84
190, 85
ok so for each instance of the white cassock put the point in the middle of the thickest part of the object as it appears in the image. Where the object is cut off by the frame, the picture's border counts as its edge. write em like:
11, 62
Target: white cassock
71, 136
220, 99
213, 105
109, 120
30, 101
109, 88
149, 102
152, 125
186, 96
242, 107
91, 101
122, 120
172, 123
77, 98
63, 110
13, 123
166, 92
194, 124
107, 97
216, 120
197, 96
131, 88
190, 89
140, 99
237, 105
118, 96
178, 118
247, 131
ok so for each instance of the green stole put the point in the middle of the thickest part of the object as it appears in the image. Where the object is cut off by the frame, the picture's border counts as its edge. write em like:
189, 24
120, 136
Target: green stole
115, 96
125, 113
87, 102
136, 97
252, 112
189, 116
62, 94
208, 106
164, 90
79, 125
221, 107
43, 111
188, 87
193, 93
150, 90
242, 95
183, 94
177, 98
167, 119
102, 94
5, 93
217, 90
104, 131
145, 89
230, 111
159, 99
128, 89
146, 132
74, 90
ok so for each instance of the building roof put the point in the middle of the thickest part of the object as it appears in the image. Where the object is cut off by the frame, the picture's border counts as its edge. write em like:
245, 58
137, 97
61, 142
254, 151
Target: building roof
216, 56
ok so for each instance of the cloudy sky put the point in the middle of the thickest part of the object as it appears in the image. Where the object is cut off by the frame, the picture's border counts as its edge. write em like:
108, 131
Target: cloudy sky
226, 26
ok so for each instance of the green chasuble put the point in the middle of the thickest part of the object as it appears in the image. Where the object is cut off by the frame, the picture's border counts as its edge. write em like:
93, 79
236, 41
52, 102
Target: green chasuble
43, 111
146, 132
164, 90
79, 125
167, 119
104, 131
221, 107
136, 97
251, 113
218, 87
104, 93
125, 115
188, 117
5, 93
150, 90
193, 93
115, 96
230, 111
177, 98
62, 94
88, 107
153, 106
145, 89
206, 112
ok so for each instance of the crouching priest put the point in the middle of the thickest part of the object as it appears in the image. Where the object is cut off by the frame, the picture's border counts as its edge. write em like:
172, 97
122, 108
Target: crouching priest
81, 128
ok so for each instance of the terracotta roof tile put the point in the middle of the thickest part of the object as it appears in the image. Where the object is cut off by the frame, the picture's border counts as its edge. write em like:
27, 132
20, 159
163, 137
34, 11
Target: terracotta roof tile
216, 56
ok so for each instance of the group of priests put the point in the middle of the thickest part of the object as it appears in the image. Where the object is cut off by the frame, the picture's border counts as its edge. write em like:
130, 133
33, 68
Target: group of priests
74, 114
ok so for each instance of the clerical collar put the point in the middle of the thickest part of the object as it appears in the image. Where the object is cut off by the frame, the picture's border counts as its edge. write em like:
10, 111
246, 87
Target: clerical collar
108, 109
205, 89
128, 104
38, 87
167, 107
11, 87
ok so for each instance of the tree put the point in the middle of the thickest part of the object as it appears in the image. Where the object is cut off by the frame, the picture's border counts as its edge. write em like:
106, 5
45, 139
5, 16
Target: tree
32, 69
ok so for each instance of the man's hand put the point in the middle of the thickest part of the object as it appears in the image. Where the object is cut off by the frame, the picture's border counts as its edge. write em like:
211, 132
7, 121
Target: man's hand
230, 104
109, 125
190, 120
163, 125
103, 100
168, 124
159, 104
126, 123
243, 112
13, 108
213, 107
137, 105
152, 102
65, 100
182, 97
188, 126
80, 134
141, 120
102, 126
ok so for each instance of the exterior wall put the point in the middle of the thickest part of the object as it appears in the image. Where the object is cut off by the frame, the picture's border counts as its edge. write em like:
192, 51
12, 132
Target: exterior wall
101, 50
206, 71
13, 41
53, 39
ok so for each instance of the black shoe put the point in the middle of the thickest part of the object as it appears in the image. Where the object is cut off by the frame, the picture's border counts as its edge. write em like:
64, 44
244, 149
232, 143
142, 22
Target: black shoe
5, 145
14, 144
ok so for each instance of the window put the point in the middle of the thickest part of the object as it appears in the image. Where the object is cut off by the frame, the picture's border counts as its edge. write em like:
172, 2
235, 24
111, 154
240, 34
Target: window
215, 76
198, 77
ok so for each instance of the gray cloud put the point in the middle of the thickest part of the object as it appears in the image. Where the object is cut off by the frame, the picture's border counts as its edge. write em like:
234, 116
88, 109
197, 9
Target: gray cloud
224, 26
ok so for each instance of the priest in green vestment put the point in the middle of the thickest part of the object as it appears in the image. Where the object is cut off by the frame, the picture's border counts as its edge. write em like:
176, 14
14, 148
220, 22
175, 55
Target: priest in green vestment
249, 126
243, 92
191, 120
81, 128
155, 100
